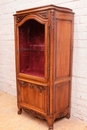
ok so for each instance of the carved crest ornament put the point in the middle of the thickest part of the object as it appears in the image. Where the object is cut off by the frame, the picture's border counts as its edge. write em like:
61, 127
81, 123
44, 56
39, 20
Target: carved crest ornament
43, 14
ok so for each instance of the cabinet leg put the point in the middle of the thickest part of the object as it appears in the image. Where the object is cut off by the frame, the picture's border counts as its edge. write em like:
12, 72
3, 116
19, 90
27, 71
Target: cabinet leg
68, 115
50, 123
20, 111
51, 128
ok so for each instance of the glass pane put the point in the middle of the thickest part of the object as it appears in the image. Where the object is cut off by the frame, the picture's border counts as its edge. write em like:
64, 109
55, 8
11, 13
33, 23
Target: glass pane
32, 48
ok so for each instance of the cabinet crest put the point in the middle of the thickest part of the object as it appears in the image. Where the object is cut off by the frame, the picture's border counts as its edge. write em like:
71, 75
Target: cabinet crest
43, 14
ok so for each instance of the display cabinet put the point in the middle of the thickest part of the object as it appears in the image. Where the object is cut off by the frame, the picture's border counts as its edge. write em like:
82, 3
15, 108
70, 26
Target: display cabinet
43, 51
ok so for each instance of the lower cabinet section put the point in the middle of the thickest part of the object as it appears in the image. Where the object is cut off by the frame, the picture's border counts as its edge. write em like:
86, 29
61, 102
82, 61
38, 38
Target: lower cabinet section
33, 96
36, 100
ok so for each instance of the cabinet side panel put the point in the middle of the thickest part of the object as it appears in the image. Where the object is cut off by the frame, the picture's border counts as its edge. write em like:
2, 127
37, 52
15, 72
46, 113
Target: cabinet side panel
62, 96
62, 49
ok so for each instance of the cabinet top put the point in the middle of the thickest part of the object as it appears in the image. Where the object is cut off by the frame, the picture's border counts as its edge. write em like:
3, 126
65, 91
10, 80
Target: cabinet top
43, 8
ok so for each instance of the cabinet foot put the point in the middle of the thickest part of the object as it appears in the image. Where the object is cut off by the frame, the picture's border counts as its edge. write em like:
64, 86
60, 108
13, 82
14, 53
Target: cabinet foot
51, 128
68, 115
19, 111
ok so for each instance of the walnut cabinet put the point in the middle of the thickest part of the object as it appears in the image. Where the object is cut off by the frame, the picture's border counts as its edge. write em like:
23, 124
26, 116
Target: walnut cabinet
43, 51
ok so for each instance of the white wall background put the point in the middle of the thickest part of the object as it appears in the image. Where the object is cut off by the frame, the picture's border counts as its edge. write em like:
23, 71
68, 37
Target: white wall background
7, 53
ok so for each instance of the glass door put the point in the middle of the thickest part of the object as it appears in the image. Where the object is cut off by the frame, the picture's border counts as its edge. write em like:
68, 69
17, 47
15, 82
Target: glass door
32, 48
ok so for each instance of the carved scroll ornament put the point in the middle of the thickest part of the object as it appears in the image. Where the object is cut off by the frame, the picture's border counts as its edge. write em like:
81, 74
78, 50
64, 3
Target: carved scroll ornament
40, 88
22, 83
19, 18
32, 86
34, 113
43, 14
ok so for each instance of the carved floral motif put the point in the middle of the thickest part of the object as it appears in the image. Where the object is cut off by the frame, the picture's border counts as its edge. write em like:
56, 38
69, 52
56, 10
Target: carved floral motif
52, 18
32, 86
43, 14
34, 113
19, 18
23, 83
40, 88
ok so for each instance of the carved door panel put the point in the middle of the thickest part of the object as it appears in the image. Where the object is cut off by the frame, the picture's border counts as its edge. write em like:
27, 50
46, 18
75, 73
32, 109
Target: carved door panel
33, 96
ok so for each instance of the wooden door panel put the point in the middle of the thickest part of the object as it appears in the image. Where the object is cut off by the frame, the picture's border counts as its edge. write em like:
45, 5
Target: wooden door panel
34, 95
